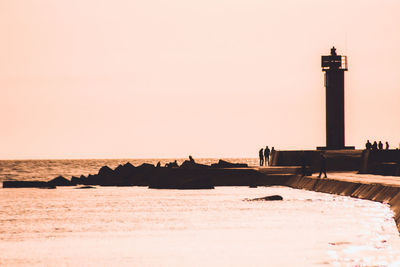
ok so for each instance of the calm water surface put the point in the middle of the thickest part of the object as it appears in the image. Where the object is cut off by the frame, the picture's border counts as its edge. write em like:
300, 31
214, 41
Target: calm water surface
136, 226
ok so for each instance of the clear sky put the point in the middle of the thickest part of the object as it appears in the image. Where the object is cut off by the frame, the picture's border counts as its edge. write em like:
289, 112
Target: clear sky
169, 78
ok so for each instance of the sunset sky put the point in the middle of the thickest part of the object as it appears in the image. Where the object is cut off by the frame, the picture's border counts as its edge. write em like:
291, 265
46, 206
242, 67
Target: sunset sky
159, 79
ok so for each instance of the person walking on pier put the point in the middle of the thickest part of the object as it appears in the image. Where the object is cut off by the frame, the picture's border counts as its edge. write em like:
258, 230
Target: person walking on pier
323, 166
387, 145
261, 156
266, 155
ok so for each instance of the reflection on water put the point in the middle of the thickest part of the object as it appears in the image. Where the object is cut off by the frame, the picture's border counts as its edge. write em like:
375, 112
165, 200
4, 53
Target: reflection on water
136, 226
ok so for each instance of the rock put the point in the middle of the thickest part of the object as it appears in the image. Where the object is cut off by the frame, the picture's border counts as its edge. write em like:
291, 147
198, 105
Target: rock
125, 170
105, 170
146, 166
91, 180
178, 178
106, 177
129, 166
268, 198
172, 164
85, 187
225, 164
119, 168
187, 164
25, 184
123, 175
75, 180
60, 181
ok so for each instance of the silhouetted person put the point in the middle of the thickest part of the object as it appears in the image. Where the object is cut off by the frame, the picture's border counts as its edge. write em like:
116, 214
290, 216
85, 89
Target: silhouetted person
380, 145
333, 51
375, 146
387, 146
272, 153
261, 156
191, 159
323, 166
266, 155
368, 145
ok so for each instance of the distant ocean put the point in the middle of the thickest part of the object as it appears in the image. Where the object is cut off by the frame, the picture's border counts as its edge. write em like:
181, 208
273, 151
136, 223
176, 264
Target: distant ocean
43, 170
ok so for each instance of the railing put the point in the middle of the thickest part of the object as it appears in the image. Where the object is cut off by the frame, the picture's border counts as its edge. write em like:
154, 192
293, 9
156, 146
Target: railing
334, 62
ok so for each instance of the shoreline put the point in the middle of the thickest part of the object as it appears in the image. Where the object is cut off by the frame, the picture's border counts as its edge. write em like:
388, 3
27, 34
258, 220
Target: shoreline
378, 192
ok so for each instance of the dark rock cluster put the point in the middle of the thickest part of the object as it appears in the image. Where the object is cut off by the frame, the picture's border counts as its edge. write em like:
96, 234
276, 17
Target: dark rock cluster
190, 175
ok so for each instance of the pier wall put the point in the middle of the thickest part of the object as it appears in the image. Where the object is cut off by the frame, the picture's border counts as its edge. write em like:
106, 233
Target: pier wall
382, 162
387, 194
337, 160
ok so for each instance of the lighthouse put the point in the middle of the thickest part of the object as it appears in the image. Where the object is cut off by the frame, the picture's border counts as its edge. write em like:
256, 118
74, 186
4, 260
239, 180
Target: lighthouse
334, 67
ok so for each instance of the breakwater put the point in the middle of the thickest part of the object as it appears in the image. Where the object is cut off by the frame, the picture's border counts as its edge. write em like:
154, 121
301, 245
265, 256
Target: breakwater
380, 192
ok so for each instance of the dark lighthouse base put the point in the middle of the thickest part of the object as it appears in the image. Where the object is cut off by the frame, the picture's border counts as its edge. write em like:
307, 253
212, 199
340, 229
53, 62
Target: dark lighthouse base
330, 148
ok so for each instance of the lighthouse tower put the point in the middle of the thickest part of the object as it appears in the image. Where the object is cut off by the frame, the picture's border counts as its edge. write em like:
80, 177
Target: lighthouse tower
334, 67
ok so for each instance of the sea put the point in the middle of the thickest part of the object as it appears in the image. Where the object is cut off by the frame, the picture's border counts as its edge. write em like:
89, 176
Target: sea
137, 226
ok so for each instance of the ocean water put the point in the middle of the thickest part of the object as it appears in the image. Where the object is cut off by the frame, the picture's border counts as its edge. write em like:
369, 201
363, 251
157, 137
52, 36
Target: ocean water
137, 226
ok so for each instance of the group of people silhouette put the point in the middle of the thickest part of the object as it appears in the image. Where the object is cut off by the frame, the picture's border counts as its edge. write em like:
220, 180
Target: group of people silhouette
376, 146
264, 154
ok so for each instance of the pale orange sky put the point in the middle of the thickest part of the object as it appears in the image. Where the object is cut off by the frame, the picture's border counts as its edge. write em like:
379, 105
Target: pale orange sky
157, 78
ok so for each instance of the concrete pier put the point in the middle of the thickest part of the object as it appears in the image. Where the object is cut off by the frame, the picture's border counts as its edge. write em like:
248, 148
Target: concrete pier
384, 189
